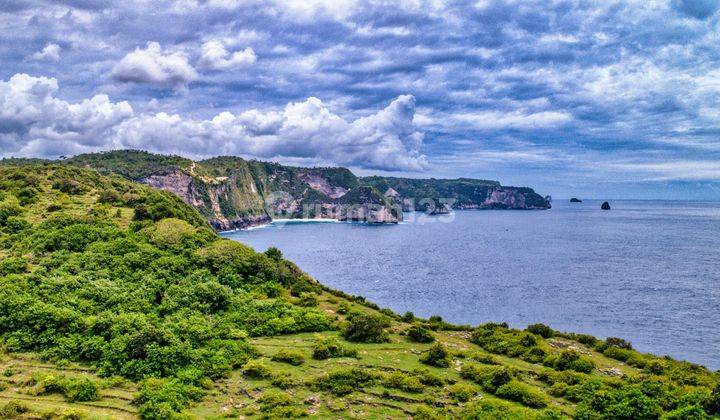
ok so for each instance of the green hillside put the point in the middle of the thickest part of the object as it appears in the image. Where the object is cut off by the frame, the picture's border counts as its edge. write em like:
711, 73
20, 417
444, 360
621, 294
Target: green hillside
119, 301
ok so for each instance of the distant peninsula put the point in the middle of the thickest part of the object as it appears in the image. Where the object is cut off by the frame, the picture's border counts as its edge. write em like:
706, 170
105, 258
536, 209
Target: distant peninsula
235, 193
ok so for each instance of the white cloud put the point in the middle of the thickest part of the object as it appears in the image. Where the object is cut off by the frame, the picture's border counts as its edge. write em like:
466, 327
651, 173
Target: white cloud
34, 122
51, 52
519, 119
216, 57
154, 66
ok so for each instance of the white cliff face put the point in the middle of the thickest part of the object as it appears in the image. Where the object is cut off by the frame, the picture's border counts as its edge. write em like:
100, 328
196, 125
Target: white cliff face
176, 182
321, 184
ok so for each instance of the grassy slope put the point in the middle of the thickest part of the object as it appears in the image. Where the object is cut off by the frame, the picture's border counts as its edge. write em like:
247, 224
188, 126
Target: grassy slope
666, 385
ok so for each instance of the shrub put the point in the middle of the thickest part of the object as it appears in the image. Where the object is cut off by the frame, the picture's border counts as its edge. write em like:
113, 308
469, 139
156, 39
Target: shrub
570, 359
490, 378
419, 334
436, 356
68, 186
487, 359
617, 353
257, 369
162, 398
291, 357
365, 328
712, 402
495, 410
408, 317
522, 393
271, 399
307, 299
541, 329
171, 232
618, 342
15, 224
345, 381
8, 209
655, 367
403, 382
586, 339
13, 409
330, 348
624, 403
424, 412
463, 392
426, 378
81, 390
343, 308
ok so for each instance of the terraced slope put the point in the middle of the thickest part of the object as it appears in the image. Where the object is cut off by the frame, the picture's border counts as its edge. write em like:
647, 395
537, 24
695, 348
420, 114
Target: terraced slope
119, 301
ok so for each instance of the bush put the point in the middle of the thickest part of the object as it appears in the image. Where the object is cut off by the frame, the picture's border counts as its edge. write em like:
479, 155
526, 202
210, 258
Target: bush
463, 392
81, 390
343, 308
161, 399
426, 378
291, 357
624, 403
524, 394
424, 412
330, 348
419, 334
345, 381
8, 209
13, 409
436, 356
272, 399
403, 382
541, 329
68, 186
570, 359
365, 328
490, 378
257, 369
408, 317
307, 299
618, 342
485, 358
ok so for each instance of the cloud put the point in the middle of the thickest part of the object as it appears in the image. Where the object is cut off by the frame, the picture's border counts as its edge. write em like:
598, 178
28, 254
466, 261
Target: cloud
153, 66
216, 57
497, 120
34, 122
51, 52
37, 123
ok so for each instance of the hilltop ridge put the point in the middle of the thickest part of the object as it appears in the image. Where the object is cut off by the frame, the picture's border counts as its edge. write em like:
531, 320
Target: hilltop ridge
232, 192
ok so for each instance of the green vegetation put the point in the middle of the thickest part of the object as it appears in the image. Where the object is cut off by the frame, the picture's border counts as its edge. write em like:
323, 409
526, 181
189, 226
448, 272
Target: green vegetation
120, 302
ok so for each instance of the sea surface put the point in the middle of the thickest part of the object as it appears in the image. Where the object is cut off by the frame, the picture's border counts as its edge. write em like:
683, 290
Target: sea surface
647, 271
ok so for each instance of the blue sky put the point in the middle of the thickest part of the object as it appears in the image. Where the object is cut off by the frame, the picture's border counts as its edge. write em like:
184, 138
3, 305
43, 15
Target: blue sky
598, 99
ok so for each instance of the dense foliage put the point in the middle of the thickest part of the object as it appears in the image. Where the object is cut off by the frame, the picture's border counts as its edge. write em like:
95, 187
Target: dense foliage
131, 284
133, 281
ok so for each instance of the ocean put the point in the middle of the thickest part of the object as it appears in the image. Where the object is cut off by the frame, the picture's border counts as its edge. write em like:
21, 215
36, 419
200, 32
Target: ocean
646, 271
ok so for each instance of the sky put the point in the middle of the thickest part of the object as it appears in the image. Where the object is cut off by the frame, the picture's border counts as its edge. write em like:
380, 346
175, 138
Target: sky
595, 99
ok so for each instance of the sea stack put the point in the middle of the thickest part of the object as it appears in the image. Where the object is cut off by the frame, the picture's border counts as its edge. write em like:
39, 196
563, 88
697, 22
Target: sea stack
575, 200
605, 206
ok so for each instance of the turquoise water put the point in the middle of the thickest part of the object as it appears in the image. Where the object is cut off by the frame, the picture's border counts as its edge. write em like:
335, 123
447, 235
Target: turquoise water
647, 271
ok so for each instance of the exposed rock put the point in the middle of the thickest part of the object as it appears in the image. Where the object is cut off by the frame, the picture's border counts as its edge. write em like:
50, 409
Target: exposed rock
240, 223
575, 200
605, 206
613, 371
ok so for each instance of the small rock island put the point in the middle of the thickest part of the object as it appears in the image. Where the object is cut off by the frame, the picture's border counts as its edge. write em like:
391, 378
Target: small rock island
605, 206
575, 200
